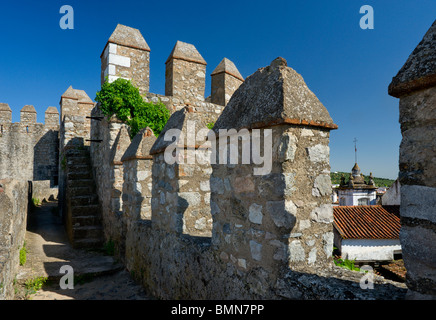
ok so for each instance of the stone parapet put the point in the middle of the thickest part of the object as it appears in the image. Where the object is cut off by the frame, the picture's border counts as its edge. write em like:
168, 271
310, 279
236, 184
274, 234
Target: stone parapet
13, 218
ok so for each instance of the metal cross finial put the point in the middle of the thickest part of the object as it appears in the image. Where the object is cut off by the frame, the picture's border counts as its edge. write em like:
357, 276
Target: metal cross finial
355, 150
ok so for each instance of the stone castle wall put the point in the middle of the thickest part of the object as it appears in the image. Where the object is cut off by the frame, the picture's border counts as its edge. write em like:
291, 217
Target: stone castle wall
223, 230
29, 150
214, 231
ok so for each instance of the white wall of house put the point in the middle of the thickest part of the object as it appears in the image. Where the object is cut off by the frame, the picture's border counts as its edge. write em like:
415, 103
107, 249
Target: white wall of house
370, 249
334, 195
356, 197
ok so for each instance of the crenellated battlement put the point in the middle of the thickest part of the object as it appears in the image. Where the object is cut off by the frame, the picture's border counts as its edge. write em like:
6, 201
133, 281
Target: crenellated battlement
127, 55
28, 116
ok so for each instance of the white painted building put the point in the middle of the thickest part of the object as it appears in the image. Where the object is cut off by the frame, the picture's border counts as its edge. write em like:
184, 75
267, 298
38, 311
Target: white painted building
370, 249
367, 233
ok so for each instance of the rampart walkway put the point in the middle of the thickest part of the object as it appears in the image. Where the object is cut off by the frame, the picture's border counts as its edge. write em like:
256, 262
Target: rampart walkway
102, 278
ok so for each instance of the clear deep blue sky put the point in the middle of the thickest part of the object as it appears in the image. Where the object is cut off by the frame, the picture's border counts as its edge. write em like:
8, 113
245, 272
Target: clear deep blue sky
349, 69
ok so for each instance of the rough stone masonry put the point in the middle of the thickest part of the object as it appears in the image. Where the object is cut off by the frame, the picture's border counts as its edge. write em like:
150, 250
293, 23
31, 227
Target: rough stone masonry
415, 85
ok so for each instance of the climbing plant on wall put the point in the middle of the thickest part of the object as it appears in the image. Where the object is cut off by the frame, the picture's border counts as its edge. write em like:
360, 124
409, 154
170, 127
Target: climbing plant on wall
122, 98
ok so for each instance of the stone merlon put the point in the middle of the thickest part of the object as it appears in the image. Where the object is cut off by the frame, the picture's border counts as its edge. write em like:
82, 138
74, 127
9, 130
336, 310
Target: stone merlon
5, 113
52, 110
128, 37
140, 146
419, 71
5, 107
227, 66
70, 94
186, 51
179, 120
274, 95
83, 97
29, 109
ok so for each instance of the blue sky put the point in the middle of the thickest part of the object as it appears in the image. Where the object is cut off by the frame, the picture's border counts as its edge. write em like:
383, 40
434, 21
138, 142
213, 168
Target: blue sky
349, 69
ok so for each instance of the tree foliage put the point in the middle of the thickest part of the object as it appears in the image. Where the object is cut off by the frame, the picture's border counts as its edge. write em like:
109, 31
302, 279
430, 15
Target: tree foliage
122, 98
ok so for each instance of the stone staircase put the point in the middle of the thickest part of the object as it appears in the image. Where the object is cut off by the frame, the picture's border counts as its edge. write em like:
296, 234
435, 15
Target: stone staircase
83, 214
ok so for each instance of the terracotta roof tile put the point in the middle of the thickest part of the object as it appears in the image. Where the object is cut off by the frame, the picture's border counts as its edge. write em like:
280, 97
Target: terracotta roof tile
367, 222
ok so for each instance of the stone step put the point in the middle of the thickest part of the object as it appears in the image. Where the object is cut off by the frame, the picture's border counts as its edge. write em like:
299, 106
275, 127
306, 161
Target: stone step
81, 183
87, 232
79, 175
79, 168
82, 221
88, 243
78, 161
89, 210
84, 200
81, 191
75, 152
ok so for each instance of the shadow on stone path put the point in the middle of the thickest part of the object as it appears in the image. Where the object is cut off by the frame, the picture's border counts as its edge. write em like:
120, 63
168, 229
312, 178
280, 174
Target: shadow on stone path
48, 249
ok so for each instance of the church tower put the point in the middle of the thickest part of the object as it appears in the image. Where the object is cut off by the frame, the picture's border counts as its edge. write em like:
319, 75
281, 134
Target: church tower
357, 192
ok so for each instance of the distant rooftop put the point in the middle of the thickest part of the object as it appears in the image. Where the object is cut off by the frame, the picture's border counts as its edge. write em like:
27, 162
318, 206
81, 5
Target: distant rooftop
367, 222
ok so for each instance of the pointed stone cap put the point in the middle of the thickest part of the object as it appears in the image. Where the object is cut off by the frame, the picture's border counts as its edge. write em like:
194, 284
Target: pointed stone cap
70, 93
83, 97
28, 108
186, 51
228, 67
128, 37
51, 110
184, 120
419, 71
140, 146
274, 95
5, 107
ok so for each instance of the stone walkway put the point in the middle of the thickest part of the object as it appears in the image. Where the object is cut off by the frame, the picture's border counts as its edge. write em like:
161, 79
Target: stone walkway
48, 250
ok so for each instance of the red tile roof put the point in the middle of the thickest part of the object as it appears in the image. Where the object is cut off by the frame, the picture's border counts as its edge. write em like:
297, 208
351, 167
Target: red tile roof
366, 222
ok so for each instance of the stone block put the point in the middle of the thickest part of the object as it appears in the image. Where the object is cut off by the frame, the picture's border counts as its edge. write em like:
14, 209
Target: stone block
296, 251
319, 153
256, 250
255, 213
418, 202
322, 214
283, 213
